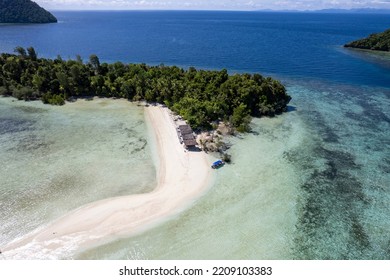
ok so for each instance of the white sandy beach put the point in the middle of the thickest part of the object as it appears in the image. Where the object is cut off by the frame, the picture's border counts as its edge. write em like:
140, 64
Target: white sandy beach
182, 178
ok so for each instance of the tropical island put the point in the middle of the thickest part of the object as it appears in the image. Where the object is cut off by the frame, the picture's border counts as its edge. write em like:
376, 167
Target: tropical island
24, 11
201, 97
375, 42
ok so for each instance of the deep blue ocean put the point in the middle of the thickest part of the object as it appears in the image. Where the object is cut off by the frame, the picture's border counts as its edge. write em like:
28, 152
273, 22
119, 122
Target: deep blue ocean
291, 44
340, 99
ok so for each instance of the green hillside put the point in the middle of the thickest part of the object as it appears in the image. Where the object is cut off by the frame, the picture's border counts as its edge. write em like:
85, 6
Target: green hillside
23, 11
377, 42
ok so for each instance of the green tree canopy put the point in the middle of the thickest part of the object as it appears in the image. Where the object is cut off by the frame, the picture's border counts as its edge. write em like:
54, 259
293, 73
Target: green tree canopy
200, 96
377, 41
23, 11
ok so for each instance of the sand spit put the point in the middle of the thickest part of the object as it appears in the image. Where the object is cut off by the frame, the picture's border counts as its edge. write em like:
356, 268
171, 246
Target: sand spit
182, 177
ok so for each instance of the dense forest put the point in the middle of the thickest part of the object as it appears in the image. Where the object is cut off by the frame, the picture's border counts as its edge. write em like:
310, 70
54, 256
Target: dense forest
377, 42
200, 96
23, 11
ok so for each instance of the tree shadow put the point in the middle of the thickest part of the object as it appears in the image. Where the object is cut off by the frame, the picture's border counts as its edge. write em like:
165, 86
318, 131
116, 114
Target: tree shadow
81, 97
194, 149
291, 108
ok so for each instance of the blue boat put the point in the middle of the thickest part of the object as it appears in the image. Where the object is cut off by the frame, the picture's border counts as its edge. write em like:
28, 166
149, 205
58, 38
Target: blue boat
217, 164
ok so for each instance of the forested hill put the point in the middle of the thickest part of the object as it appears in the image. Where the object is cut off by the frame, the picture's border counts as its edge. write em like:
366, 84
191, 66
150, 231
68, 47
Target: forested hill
200, 96
23, 11
377, 42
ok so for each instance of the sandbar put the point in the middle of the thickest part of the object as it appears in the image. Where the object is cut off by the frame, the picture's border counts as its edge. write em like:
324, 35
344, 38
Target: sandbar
182, 177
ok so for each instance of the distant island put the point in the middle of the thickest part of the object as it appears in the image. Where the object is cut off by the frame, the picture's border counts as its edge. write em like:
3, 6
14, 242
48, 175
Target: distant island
24, 11
201, 97
354, 11
376, 42
331, 11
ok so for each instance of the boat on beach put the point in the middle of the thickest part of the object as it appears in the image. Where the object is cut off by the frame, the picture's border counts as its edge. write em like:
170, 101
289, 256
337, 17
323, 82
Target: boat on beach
217, 164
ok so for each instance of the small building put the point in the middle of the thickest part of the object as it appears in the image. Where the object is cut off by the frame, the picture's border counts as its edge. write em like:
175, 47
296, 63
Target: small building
187, 135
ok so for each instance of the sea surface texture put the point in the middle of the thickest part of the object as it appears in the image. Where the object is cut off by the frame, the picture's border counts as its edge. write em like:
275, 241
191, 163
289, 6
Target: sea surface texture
313, 183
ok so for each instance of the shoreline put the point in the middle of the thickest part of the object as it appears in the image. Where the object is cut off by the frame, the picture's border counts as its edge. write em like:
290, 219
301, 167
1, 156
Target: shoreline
182, 177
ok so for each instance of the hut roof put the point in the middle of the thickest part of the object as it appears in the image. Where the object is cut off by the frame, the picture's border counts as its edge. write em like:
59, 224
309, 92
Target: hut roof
188, 136
185, 129
190, 142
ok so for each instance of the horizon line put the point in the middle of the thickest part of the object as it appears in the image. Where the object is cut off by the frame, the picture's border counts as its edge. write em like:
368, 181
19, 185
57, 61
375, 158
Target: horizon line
334, 10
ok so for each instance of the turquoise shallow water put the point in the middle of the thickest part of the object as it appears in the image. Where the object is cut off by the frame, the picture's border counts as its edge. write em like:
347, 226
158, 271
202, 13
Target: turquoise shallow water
343, 208
248, 214
55, 159
310, 184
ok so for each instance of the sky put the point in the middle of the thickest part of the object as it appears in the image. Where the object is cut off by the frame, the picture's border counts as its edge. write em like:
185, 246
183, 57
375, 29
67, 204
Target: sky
210, 4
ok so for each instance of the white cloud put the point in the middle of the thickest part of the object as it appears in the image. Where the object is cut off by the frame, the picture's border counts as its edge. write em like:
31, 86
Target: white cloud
212, 5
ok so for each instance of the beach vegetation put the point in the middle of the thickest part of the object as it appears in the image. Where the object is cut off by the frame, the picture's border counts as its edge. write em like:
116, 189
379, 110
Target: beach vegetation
55, 99
201, 97
226, 157
241, 118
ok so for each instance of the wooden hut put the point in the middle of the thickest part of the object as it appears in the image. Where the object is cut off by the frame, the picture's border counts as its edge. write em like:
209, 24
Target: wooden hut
187, 135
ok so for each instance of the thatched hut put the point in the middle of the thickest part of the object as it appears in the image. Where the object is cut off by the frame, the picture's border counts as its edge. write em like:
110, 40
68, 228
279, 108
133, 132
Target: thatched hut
187, 135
